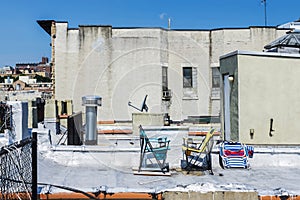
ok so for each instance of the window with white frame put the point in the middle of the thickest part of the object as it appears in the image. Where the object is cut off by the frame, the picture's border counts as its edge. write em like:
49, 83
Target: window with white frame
189, 76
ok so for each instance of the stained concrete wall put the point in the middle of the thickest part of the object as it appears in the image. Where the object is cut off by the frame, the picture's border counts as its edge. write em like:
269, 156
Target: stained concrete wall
148, 119
268, 88
50, 110
92, 62
189, 49
217, 195
248, 39
19, 116
125, 64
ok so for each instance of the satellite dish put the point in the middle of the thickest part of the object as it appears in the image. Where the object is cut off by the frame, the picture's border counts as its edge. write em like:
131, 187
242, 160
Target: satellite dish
144, 105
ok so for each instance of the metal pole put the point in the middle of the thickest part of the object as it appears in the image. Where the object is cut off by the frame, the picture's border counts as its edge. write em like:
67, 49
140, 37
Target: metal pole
265, 5
34, 166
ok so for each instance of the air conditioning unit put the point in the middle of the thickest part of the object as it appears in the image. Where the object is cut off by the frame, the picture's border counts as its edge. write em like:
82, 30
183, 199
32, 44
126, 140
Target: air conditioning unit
166, 95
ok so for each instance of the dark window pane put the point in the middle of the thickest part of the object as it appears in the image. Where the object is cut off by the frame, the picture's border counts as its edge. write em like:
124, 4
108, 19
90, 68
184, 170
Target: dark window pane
187, 77
164, 78
216, 78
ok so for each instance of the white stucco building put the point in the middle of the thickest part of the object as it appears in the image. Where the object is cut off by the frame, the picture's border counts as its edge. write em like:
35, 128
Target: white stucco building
260, 93
260, 101
177, 69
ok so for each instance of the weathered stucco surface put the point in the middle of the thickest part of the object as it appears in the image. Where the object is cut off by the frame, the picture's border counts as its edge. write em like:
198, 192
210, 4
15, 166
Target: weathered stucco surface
269, 89
266, 86
125, 64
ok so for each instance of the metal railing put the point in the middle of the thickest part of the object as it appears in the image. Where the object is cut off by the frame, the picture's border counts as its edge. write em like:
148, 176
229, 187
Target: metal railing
18, 170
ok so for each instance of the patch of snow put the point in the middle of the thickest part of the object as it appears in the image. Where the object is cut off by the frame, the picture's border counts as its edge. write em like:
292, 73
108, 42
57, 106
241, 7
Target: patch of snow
273, 172
210, 187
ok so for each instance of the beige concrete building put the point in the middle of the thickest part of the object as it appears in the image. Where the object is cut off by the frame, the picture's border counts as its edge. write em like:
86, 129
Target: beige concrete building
177, 69
261, 99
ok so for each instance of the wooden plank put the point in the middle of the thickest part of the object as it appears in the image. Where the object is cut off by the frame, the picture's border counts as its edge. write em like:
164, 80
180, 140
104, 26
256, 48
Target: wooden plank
193, 150
202, 133
106, 122
151, 173
115, 131
150, 169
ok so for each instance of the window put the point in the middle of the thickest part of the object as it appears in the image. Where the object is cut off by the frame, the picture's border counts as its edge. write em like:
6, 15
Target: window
18, 86
216, 78
164, 78
64, 108
216, 83
187, 77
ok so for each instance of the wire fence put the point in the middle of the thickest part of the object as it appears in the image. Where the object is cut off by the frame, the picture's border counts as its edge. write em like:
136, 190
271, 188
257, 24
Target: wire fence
16, 170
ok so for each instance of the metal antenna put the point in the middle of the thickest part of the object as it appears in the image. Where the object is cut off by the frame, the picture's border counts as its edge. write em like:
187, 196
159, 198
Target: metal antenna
265, 5
144, 106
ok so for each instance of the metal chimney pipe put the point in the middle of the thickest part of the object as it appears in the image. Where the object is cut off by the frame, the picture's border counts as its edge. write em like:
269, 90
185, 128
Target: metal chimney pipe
91, 102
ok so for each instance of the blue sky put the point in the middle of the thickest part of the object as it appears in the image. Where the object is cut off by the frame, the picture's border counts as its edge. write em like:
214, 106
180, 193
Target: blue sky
22, 40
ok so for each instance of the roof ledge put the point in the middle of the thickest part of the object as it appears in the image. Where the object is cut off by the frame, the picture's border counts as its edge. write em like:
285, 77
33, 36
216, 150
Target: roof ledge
46, 25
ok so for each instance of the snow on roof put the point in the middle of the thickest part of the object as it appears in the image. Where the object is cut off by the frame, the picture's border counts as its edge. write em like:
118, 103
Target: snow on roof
273, 170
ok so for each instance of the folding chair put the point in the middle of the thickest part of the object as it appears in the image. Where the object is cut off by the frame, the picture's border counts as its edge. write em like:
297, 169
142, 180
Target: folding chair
153, 153
235, 155
196, 155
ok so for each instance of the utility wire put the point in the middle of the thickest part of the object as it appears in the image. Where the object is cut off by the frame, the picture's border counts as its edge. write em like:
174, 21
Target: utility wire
70, 189
57, 186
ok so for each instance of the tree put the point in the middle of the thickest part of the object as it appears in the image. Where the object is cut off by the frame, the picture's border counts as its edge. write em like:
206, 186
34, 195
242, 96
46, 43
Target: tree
42, 79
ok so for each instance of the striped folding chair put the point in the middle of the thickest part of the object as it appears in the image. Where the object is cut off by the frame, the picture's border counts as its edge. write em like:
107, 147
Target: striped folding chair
235, 155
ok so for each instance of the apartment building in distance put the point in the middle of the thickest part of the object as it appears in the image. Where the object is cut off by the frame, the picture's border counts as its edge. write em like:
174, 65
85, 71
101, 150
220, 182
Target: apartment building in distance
28, 77
42, 68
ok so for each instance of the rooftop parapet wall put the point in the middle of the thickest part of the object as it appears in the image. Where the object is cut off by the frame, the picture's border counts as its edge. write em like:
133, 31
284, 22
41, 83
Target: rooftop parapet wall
252, 39
122, 64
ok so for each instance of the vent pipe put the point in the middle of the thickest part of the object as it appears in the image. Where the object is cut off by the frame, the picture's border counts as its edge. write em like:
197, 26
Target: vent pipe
91, 102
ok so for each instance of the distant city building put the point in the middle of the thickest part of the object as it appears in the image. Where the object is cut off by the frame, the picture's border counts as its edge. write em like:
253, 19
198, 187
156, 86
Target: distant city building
7, 70
178, 70
42, 68
26, 77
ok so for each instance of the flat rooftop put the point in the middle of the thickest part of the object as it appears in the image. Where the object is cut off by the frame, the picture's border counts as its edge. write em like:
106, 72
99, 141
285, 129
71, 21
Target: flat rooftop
108, 167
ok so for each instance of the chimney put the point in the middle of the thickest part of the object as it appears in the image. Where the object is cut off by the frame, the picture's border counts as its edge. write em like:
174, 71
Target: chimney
91, 102
44, 60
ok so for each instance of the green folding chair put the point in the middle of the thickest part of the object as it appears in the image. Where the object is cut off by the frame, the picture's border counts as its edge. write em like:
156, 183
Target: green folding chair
153, 153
